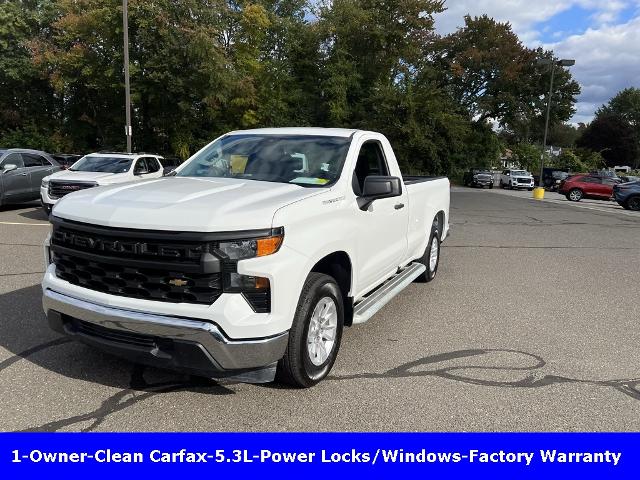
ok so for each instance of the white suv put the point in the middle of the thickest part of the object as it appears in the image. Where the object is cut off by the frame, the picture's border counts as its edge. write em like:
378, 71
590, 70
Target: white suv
96, 169
516, 179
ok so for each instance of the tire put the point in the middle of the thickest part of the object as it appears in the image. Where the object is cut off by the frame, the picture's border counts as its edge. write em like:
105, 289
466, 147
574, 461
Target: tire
575, 195
501, 184
490, 186
299, 367
530, 189
430, 273
633, 203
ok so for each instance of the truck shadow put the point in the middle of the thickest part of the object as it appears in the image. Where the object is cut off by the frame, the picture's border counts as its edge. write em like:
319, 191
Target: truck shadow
492, 368
25, 334
35, 214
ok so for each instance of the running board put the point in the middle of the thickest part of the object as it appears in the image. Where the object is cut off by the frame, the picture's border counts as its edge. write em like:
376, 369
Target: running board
368, 307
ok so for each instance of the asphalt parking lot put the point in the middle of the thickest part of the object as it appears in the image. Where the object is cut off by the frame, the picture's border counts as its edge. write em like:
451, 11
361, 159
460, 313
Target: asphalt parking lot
531, 324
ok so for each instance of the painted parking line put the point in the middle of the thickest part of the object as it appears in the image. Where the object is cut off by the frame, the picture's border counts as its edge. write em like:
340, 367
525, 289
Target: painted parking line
25, 223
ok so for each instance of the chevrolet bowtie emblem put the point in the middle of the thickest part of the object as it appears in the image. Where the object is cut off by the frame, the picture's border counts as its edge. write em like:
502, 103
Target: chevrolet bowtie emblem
177, 282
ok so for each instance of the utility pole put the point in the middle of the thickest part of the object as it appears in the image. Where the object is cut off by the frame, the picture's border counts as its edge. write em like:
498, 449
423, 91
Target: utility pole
127, 87
546, 125
553, 63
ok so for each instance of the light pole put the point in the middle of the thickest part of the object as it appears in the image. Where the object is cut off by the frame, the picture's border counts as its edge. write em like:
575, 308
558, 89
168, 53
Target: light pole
553, 63
127, 88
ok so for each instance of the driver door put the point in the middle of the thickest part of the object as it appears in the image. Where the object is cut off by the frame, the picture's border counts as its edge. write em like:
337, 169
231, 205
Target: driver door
382, 227
16, 184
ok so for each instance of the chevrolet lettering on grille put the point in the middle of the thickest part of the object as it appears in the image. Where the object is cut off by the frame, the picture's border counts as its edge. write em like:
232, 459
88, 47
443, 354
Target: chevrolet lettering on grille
86, 242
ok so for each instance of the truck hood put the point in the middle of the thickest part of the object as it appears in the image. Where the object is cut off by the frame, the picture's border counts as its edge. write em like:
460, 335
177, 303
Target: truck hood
183, 204
101, 178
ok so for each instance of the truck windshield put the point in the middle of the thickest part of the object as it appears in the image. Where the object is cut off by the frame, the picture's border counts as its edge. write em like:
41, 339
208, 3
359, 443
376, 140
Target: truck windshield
521, 173
102, 164
305, 160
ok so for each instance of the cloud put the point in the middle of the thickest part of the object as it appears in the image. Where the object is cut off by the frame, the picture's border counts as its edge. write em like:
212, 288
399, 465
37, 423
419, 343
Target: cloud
607, 60
605, 46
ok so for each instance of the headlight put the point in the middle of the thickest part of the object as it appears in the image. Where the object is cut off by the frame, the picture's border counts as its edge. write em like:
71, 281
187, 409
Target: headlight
253, 247
45, 182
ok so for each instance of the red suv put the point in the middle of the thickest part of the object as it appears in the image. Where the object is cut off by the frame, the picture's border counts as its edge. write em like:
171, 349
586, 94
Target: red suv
577, 187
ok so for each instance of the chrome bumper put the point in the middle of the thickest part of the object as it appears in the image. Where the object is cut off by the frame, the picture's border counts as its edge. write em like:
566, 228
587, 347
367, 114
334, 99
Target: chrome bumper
166, 341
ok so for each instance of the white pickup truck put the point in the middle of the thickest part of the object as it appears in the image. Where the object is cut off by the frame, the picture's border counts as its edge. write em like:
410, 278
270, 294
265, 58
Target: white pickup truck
250, 259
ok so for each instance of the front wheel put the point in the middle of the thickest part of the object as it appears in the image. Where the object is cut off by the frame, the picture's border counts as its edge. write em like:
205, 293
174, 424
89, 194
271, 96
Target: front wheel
634, 203
314, 338
575, 195
431, 257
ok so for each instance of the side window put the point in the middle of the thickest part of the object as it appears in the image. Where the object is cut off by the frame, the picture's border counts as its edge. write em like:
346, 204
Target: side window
32, 160
591, 180
141, 167
371, 161
12, 159
152, 164
506, 172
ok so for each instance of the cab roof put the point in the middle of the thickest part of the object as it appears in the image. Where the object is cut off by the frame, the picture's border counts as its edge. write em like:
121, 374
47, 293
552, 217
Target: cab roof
314, 131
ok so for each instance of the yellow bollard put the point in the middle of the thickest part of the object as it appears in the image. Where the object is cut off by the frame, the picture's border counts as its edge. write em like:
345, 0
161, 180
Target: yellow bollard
538, 193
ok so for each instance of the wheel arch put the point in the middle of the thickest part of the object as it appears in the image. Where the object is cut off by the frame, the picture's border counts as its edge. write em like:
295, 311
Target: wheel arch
338, 265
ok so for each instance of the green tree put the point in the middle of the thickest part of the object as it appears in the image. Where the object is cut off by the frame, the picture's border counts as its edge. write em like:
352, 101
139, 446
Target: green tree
28, 108
494, 76
527, 156
613, 138
626, 105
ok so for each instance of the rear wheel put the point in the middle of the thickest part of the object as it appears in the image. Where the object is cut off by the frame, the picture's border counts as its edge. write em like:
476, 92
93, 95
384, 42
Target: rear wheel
634, 203
314, 338
575, 195
431, 257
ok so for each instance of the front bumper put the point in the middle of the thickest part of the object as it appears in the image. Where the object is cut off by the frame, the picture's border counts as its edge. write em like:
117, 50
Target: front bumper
482, 183
184, 344
45, 199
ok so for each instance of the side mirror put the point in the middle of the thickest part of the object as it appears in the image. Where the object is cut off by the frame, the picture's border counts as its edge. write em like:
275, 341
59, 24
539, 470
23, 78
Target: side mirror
378, 187
9, 168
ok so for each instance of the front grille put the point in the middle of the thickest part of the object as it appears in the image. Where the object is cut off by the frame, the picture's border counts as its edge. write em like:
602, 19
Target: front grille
523, 180
58, 189
135, 282
118, 336
115, 246
165, 266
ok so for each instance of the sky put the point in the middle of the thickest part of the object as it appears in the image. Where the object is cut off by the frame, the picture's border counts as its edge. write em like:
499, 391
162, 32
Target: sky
602, 36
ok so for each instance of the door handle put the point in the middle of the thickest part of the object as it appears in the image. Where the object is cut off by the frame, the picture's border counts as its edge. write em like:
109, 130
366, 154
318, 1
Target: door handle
24, 174
398, 206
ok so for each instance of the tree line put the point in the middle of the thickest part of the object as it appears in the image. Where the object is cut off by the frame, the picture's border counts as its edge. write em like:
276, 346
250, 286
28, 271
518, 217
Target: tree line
200, 68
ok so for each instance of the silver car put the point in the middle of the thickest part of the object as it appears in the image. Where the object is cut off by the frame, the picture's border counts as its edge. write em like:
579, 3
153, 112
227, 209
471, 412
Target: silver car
21, 173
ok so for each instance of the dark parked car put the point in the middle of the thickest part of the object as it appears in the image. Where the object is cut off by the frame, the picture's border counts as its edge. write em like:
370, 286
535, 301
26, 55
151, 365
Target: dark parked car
552, 178
477, 177
21, 173
169, 164
628, 195
66, 159
577, 187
